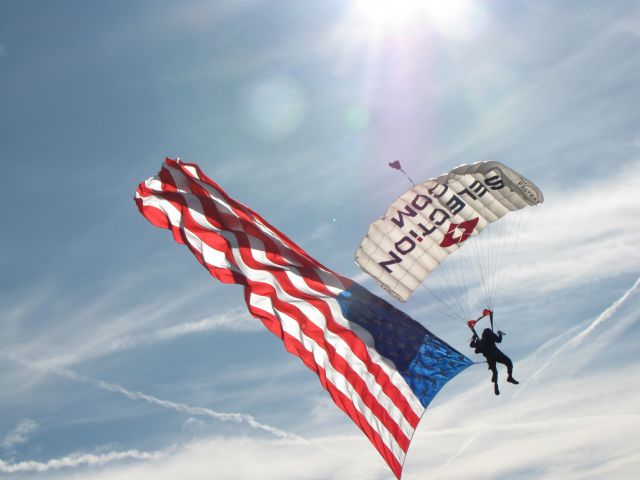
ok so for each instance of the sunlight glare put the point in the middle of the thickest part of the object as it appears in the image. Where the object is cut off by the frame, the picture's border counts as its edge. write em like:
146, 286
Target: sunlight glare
383, 17
461, 19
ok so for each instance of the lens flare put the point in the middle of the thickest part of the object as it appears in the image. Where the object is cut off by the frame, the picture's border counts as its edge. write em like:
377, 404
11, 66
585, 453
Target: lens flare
274, 107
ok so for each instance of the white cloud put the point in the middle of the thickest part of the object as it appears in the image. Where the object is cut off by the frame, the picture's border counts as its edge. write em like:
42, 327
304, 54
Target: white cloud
193, 424
178, 407
321, 233
79, 327
77, 460
576, 340
19, 434
104, 325
583, 233
236, 319
545, 403
245, 458
577, 421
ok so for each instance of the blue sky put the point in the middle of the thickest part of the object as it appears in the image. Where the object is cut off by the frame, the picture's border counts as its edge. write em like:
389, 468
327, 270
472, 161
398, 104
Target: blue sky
121, 358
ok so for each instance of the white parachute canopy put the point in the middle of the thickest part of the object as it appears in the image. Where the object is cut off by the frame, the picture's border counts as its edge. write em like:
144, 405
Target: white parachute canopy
437, 217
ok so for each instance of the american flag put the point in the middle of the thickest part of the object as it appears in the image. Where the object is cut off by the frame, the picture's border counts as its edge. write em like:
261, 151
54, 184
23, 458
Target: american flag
379, 366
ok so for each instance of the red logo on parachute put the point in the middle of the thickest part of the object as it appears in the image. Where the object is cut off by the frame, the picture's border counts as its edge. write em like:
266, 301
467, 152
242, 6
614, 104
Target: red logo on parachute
459, 232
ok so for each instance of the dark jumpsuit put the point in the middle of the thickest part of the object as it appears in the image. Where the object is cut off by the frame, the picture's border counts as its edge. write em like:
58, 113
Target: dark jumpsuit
487, 347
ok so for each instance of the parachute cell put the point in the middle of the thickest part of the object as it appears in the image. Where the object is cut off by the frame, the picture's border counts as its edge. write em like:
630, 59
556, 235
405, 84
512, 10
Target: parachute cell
433, 219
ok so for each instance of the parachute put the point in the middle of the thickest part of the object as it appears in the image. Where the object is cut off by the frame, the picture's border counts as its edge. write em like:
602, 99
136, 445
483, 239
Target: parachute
433, 219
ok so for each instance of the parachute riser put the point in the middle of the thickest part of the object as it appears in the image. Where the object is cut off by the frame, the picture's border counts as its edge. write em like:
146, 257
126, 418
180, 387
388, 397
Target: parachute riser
486, 313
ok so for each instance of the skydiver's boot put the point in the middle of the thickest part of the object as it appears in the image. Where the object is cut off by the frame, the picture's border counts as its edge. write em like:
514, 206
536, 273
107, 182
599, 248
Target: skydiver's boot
510, 379
496, 389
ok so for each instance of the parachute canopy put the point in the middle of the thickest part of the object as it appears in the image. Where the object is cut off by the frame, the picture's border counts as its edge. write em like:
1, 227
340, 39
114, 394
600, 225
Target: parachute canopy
435, 218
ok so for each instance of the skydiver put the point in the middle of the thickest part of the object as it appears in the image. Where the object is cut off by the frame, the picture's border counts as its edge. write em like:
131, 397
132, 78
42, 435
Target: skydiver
486, 345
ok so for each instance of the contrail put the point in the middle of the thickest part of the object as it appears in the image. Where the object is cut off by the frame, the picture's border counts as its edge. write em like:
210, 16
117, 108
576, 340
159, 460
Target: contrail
603, 316
575, 341
457, 454
76, 460
178, 407
231, 321
475, 432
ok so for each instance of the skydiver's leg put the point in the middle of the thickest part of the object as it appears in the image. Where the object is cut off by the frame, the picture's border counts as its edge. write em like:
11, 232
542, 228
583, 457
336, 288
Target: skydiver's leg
502, 358
494, 375
494, 370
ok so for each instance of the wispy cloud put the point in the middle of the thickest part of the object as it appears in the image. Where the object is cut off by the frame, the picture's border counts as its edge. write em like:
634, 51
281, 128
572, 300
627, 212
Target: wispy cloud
236, 320
548, 88
581, 234
559, 120
77, 460
334, 458
175, 406
78, 327
581, 404
321, 232
543, 433
604, 316
569, 426
579, 337
19, 434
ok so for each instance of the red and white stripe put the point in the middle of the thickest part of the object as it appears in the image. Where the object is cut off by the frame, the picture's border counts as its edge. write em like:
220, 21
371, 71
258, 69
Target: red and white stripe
292, 294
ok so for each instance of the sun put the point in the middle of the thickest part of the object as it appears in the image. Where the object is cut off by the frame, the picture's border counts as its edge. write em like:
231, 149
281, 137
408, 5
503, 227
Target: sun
461, 19
382, 16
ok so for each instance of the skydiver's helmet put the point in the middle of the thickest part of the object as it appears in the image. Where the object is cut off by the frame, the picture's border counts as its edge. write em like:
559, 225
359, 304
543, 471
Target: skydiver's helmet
486, 333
